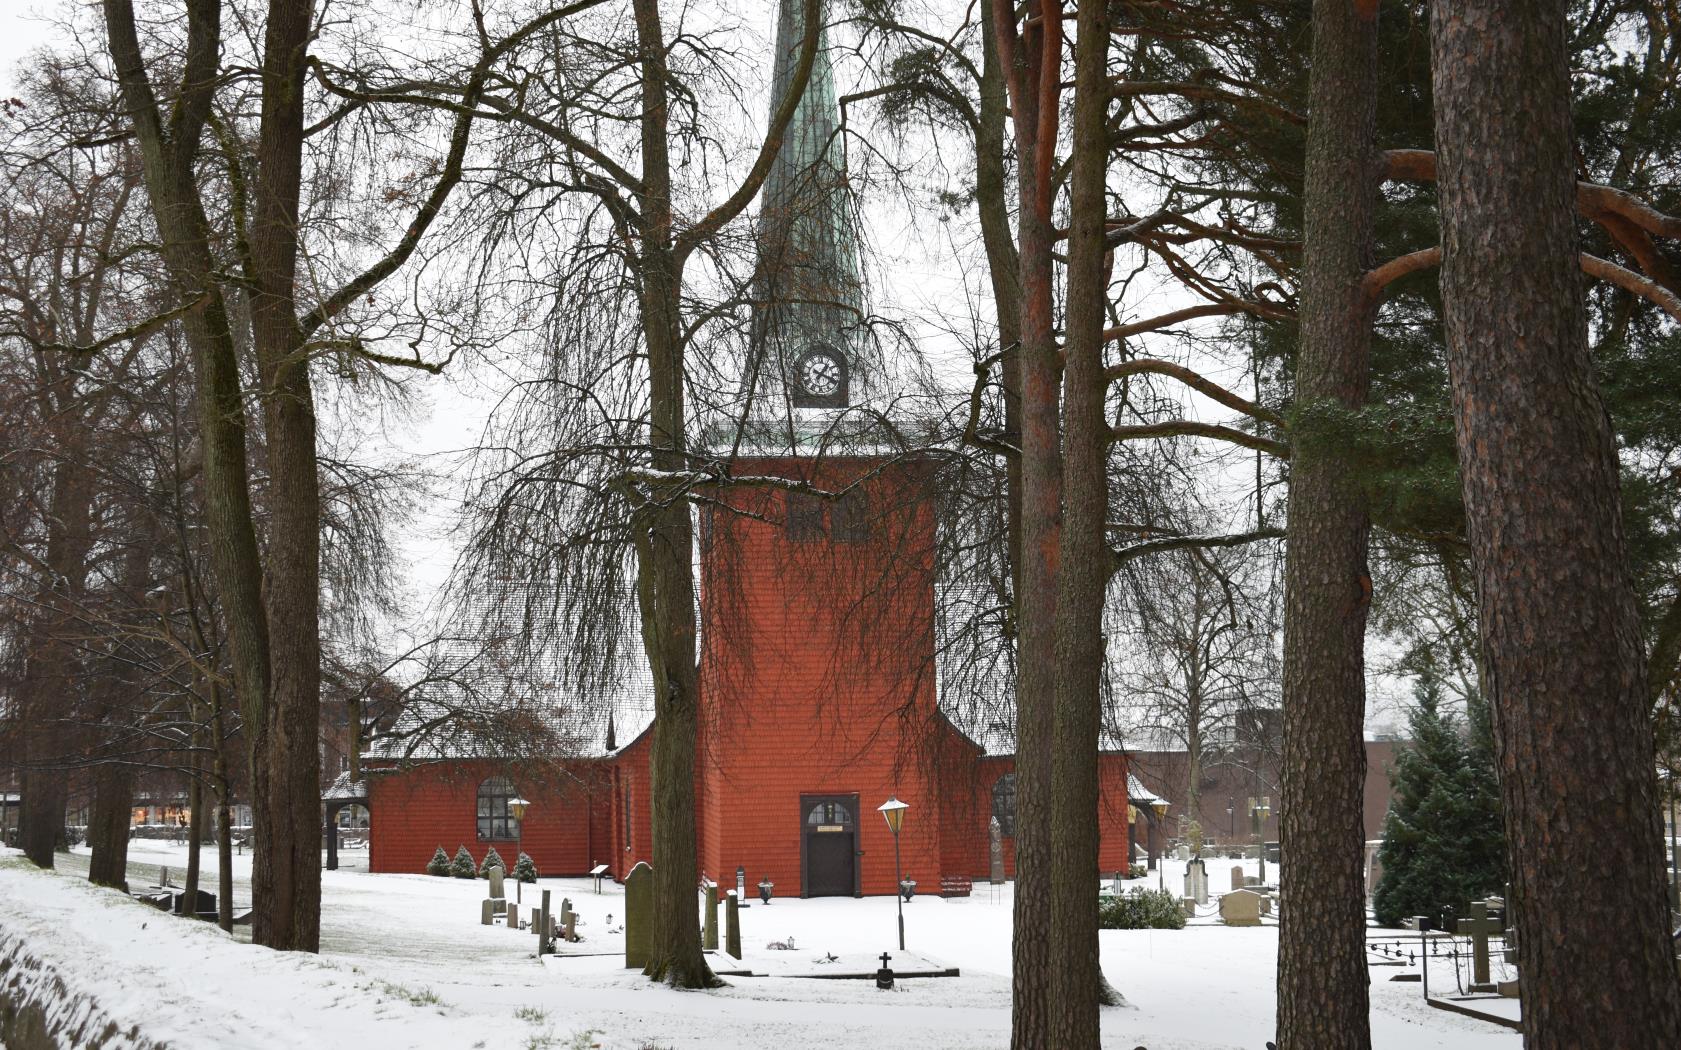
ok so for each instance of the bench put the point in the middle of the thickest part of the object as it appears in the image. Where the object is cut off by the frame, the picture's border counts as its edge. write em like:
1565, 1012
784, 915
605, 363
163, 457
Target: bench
956, 885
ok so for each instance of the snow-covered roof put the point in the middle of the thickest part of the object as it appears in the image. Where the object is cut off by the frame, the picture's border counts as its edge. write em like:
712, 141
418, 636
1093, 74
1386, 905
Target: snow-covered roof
344, 787
1138, 794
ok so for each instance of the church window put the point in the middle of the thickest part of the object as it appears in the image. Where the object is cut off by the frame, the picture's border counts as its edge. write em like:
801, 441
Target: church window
852, 518
496, 821
1004, 804
827, 815
805, 517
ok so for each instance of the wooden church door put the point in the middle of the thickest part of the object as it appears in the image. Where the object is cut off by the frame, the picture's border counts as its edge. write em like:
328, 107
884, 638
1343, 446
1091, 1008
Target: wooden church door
830, 845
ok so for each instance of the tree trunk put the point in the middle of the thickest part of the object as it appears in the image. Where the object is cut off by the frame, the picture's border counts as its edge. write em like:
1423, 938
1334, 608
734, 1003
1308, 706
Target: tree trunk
1083, 571
286, 766
224, 814
665, 545
108, 825
1322, 978
1030, 59
195, 832
1539, 473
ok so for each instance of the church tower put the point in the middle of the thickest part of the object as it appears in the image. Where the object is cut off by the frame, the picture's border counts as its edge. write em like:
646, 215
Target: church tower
807, 322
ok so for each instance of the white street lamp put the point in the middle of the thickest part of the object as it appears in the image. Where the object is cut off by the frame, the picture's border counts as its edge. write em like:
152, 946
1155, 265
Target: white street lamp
894, 812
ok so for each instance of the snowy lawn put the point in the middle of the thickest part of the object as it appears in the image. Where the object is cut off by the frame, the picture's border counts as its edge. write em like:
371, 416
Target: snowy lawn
405, 963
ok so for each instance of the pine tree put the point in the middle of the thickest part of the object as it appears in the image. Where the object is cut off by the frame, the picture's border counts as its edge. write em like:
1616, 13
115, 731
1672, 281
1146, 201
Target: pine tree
462, 867
492, 859
439, 864
1442, 841
525, 869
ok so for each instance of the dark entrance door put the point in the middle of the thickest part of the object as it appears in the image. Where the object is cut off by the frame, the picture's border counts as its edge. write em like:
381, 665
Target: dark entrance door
830, 837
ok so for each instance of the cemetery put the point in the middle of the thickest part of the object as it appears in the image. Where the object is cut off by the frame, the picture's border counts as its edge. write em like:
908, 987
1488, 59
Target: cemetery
407, 962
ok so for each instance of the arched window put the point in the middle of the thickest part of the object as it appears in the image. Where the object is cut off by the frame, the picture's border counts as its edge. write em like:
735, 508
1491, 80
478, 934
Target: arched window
837, 815
496, 823
1004, 804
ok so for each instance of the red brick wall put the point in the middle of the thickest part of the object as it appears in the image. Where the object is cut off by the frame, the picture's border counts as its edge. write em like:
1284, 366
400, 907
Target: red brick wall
435, 804
818, 677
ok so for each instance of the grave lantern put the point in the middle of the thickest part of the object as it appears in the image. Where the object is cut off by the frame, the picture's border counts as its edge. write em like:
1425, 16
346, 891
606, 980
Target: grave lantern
893, 811
765, 887
516, 808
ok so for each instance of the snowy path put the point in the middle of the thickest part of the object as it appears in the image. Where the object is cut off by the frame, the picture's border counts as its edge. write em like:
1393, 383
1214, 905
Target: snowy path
405, 963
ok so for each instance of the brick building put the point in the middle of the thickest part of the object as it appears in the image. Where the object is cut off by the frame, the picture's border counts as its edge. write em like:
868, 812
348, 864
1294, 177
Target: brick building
819, 676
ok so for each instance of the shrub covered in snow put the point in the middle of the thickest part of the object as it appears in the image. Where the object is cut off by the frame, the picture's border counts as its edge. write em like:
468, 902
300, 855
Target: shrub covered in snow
1140, 909
492, 859
1137, 871
525, 869
462, 866
439, 864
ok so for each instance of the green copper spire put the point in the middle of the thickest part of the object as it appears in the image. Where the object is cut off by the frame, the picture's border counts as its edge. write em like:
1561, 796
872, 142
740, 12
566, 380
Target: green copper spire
806, 326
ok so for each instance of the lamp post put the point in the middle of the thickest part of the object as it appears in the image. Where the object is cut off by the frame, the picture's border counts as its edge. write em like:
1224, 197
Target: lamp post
1160, 808
517, 807
894, 812
1259, 810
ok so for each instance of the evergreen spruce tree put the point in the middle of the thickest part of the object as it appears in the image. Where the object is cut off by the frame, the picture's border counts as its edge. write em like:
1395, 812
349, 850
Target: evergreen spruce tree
1442, 840
462, 867
439, 864
525, 869
492, 859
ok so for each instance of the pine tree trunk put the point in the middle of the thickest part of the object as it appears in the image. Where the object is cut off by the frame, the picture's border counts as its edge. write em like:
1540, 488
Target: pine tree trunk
108, 825
1033, 1012
1560, 629
1083, 572
195, 834
1322, 977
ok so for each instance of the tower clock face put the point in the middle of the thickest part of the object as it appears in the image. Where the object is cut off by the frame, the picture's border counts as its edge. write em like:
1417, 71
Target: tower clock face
819, 374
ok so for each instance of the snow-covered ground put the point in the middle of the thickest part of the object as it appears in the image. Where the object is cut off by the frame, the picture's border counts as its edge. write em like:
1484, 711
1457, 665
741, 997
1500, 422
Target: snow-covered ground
406, 963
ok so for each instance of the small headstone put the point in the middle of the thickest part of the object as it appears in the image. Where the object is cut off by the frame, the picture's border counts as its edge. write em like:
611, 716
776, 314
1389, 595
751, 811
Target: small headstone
565, 912
1266, 904
1183, 852
1196, 881
732, 925
709, 932
542, 924
487, 912
569, 929
995, 834
639, 916
163, 875
498, 898
1241, 908
1237, 882
513, 916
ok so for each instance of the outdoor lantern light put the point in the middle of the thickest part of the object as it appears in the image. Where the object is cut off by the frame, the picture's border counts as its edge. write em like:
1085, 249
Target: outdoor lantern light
765, 886
894, 812
517, 807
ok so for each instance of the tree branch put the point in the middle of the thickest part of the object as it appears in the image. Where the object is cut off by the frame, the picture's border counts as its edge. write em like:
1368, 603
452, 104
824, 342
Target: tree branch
1197, 382
1193, 428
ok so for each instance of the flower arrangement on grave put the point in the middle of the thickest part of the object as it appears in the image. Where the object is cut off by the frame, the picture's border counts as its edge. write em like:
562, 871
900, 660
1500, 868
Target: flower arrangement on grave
462, 867
525, 869
492, 859
439, 864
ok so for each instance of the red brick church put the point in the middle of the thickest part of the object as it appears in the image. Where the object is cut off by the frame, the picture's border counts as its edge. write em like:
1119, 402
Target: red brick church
820, 683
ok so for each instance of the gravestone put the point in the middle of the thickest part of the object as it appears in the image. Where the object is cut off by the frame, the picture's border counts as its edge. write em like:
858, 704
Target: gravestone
513, 916
565, 913
498, 899
1266, 904
996, 835
487, 912
1183, 852
639, 916
1241, 908
709, 932
569, 928
542, 925
732, 925
1237, 882
1478, 927
1196, 881
1190, 906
